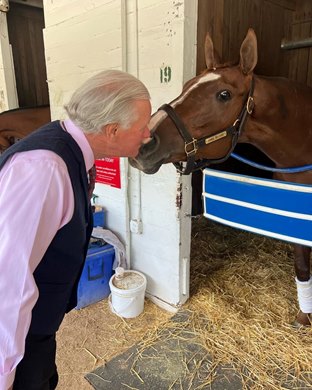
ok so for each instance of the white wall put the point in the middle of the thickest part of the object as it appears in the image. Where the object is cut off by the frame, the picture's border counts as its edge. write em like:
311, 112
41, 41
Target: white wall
81, 38
8, 94
162, 251
141, 37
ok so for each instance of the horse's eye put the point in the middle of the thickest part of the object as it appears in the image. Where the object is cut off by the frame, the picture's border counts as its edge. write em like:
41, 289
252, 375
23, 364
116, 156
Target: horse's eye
224, 96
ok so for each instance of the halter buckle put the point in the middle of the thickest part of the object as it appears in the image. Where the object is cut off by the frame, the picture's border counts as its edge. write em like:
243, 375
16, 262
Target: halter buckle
250, 105
193, 145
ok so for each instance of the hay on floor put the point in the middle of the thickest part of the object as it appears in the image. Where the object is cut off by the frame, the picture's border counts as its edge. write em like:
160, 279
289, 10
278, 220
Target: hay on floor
244, 300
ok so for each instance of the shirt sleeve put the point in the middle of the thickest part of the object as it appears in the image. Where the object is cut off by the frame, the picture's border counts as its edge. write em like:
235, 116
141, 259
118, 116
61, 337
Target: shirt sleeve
36, 200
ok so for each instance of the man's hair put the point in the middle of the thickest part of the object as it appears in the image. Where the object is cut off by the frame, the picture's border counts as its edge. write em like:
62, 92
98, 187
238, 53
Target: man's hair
107, 97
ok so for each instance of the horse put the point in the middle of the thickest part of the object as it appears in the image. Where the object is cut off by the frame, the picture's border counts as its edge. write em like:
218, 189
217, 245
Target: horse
19, 122
229, 104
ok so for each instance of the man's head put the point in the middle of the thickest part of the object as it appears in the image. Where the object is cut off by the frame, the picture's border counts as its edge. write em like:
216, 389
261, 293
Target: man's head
113, 109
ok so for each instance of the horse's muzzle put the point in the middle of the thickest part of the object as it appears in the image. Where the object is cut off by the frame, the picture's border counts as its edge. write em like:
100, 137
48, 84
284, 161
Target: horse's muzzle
147, 159
150, 148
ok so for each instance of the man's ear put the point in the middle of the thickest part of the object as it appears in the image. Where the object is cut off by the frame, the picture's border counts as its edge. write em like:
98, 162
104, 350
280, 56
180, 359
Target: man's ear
110, 129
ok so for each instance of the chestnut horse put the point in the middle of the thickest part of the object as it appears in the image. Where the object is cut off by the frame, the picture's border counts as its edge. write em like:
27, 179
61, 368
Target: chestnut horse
17, 123
227, 104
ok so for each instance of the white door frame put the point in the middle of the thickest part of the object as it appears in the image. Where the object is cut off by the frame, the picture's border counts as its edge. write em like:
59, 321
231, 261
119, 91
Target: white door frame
8, 92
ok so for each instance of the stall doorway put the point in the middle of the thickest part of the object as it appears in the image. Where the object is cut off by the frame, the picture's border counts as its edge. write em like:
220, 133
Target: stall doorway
25, 27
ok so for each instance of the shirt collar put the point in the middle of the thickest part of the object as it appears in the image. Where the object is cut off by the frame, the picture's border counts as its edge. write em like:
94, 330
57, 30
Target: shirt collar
82, 142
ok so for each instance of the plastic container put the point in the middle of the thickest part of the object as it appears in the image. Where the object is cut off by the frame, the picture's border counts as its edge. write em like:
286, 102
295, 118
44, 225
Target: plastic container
99, 218
127, 293
98, 269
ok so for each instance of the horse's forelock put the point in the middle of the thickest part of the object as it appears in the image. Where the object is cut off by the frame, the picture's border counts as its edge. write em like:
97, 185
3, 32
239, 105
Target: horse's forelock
226, 65
204, 78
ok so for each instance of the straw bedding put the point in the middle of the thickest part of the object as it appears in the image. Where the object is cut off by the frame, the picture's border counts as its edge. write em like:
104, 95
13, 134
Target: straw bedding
243, 300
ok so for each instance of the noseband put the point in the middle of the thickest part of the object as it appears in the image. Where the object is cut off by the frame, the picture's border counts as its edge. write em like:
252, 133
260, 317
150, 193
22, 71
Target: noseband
191, 145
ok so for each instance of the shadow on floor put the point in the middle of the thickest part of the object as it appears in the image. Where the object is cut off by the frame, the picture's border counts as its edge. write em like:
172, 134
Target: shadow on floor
175, 360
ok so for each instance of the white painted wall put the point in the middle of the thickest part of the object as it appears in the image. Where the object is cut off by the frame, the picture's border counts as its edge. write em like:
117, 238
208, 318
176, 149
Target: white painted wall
81, 38
141, 37
8, 93
162, 252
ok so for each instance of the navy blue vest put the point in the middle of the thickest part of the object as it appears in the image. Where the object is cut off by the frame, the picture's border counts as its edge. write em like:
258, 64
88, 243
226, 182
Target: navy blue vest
58, 273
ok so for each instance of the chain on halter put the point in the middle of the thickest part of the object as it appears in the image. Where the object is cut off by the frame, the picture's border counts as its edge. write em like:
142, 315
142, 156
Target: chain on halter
191, 145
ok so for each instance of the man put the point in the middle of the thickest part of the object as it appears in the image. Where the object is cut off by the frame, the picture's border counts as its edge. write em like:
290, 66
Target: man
46, 220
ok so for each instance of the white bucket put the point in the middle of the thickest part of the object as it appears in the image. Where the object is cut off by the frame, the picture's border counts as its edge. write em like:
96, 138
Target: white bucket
127, 294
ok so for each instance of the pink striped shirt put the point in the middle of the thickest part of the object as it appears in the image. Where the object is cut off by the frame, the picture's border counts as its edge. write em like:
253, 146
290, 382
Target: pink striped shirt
36, 200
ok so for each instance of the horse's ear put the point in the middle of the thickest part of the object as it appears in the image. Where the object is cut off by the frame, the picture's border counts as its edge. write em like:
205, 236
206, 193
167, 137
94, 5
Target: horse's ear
249, 52
211, 55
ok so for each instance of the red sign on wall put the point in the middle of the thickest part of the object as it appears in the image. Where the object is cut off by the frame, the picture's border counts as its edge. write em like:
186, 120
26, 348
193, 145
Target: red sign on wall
108, 171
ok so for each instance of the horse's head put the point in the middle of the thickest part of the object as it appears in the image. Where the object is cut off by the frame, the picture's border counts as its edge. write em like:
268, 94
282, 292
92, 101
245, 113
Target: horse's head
202, 121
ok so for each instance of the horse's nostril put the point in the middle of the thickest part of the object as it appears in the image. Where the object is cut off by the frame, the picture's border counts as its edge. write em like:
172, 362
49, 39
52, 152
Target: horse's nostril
150, 147
155, 141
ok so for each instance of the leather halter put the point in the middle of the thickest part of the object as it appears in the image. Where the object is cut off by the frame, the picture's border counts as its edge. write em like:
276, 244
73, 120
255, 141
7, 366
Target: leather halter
191, 145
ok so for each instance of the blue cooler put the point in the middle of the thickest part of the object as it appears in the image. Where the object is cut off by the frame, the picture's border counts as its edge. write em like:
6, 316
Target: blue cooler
98, 269
99, 218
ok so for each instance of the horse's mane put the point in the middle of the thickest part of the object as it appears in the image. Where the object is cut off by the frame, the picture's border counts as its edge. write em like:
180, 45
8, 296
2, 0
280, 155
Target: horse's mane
25, 108
226, 64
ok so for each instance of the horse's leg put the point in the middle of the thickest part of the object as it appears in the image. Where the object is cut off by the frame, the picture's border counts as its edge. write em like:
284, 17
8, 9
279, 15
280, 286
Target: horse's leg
304, 284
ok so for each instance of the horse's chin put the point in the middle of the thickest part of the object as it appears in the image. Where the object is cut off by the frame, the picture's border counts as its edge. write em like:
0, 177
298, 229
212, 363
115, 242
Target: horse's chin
149, 170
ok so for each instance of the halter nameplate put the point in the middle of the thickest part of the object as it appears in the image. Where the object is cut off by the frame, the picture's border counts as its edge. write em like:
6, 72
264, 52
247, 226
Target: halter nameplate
215, 137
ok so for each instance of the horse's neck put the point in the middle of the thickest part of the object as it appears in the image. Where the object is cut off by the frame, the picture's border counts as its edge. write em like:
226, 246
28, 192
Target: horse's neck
5, 122
25, 120
281, 124
14, 119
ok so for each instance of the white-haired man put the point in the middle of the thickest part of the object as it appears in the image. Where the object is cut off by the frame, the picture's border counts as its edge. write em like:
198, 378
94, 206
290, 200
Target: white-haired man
46, 218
